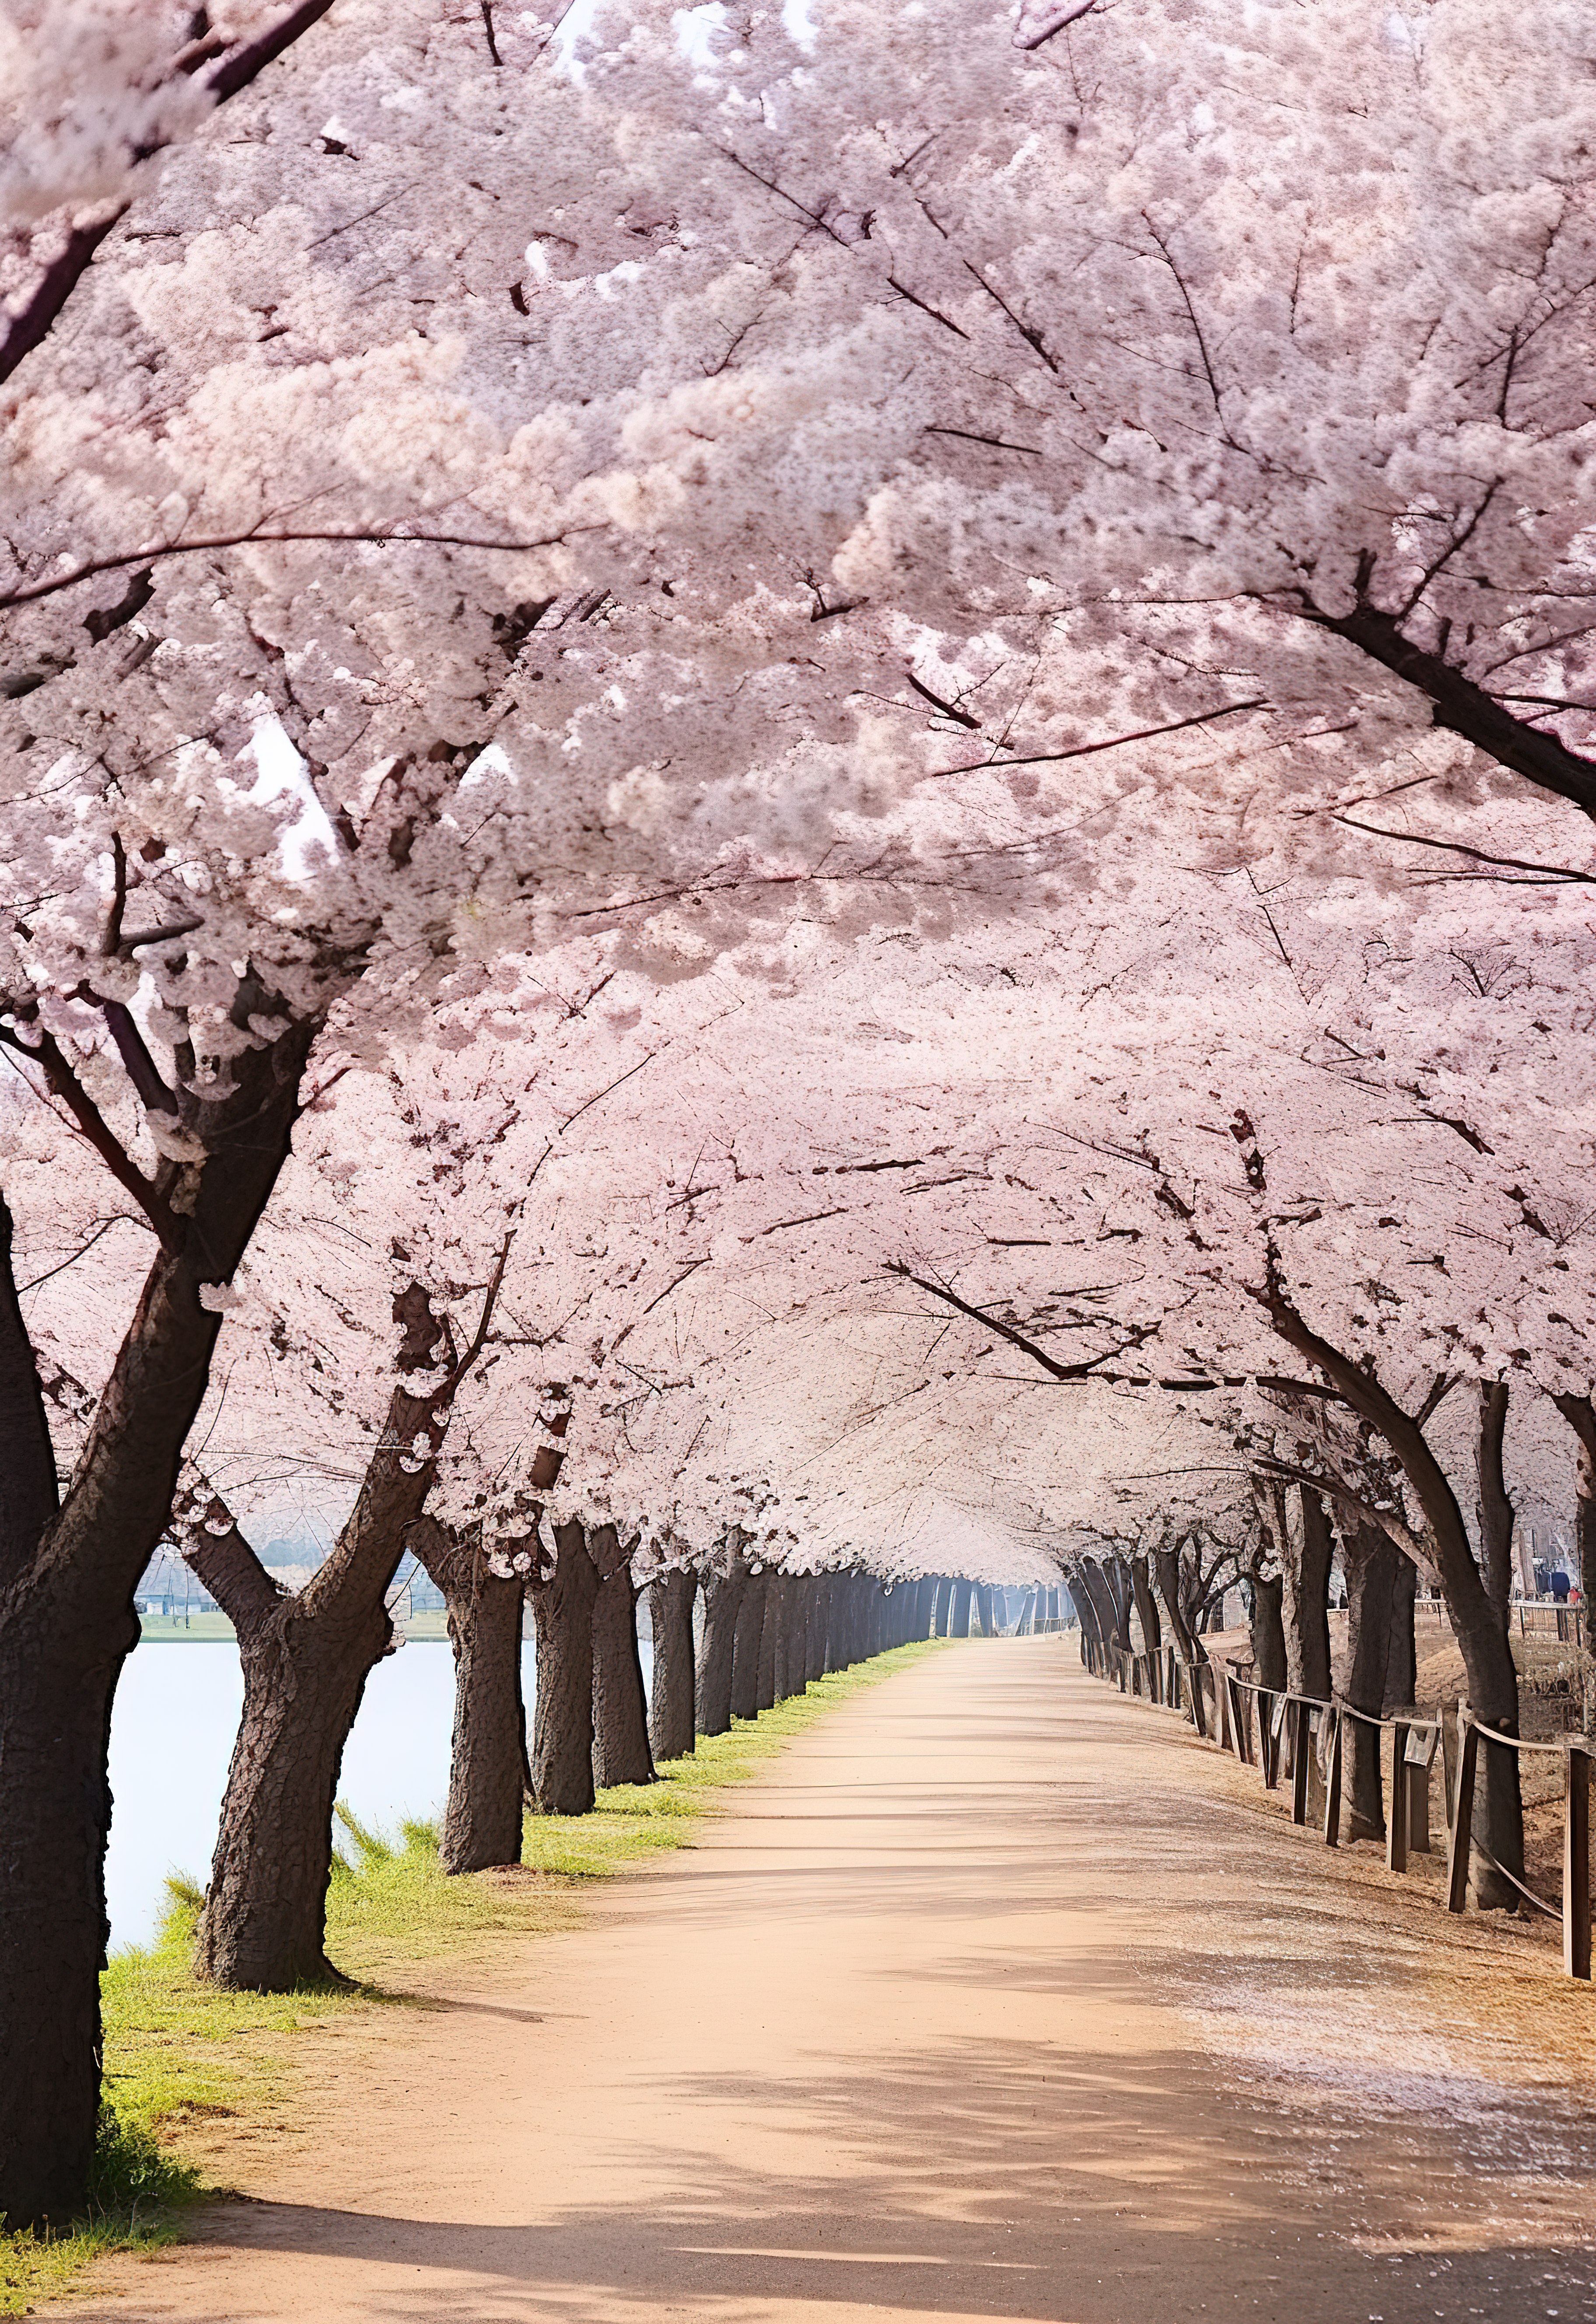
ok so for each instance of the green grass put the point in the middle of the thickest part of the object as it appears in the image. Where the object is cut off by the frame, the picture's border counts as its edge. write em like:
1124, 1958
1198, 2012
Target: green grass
179, 2054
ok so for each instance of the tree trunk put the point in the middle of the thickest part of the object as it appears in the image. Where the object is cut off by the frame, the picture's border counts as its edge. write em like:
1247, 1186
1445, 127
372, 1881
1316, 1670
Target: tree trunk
1493, 1680
482, 1824
944, 1611
1104, 1604
1307, 1602
1152, 1636
800, 1590
306, 1660
820, 1621
1167, 1574
620, 1705
960, 1609
747, 1643
1370, 1560
1116, 1577
1402, 1661
1269, 1635
723, 1600
1496, 1509
846, 1618
1085, 1607
772, 1688
66, 1622
562, 1726
264, 1929
839, 1629
671, 1713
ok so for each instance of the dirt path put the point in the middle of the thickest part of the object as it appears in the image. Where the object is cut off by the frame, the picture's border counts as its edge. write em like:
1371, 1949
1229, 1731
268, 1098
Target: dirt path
996, 1997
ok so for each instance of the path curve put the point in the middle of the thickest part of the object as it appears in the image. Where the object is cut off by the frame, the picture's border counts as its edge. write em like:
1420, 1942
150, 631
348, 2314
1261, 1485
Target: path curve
997, 1997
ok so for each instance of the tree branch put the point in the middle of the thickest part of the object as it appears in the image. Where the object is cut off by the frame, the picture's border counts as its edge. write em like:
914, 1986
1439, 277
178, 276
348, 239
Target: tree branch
33, 322
1464, 708
93, 567
1054, 1370
1089, 750
29, 1495
63, 1083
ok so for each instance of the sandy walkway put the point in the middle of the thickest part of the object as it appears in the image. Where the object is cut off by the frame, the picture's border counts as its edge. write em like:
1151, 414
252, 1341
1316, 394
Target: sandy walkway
996, 1997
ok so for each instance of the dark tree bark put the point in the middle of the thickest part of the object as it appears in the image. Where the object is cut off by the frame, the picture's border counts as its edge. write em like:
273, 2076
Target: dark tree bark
1370, 1560
1116, 1574
67, 1623
1166, 1574
1493, 1680
800, 1590
482, 1824
773, 1677
1458, 704
619, 1704
1145, 1607
671, 1714
1110, 1615
28, 1496
960, 1609
723, 1600
562, 1723
1307, 1601
1086, 1606
1269, 1635
944, 1613
1496, 1507
747, 1644
819, 1623
842, 1626
1402, 1660
922, 1621
306, 1660
984, 1604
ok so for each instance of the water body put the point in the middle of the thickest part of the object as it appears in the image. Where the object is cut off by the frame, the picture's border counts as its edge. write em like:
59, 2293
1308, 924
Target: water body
172, 1739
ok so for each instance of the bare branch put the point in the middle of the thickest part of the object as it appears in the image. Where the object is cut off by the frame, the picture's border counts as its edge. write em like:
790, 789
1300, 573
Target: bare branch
373, 536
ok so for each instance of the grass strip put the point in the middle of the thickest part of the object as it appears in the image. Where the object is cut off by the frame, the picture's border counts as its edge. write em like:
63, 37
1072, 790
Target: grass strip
179, 2051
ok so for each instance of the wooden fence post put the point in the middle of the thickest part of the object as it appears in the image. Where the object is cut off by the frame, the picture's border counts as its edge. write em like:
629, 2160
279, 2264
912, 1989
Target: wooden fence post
1576, 1864
1301, 1750
1462, 1811
1397, 1824
1333, 1780
1418, 1807
1267, 1736
1222, 1705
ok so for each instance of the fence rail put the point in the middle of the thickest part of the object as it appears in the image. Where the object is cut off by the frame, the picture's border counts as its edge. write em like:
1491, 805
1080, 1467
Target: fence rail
1274, 1729
1532, 1617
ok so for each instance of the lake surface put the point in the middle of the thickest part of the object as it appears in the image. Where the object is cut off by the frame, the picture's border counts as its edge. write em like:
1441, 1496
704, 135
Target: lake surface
172, 1727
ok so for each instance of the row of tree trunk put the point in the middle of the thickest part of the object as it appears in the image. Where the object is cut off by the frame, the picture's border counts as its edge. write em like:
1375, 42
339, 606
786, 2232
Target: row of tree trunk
1289, 1625
764, 1635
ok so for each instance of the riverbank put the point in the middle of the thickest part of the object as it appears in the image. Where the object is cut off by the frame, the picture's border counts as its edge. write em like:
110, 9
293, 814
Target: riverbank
194, 2075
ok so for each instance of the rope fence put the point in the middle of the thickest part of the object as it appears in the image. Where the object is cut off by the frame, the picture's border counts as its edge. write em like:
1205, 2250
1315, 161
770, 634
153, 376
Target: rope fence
1280, 1732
